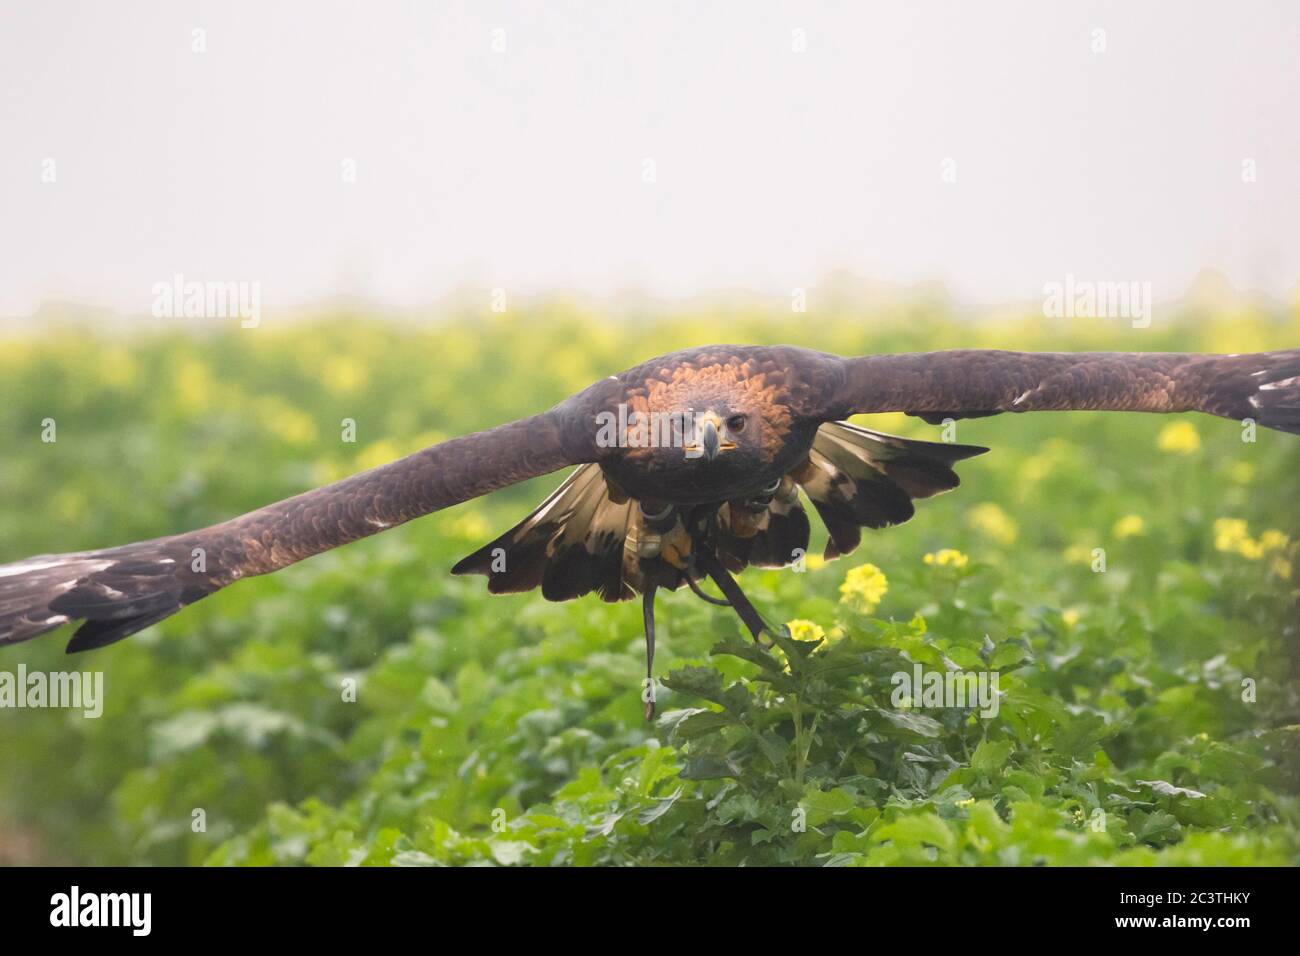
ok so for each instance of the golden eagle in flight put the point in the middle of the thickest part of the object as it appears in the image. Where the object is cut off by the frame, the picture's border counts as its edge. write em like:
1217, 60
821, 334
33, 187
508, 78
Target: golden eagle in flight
689, 465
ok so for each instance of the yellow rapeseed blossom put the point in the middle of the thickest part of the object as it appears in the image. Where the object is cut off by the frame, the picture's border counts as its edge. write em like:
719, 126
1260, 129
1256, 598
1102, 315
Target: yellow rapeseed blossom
471, 525
570, 366
1078, 554
1229, 533
285, 422
994, 522
1070, 616
813, 562
1179, 437
1129, 526
1273, 540
864, 588
327, 470
345, 374
802, 630
378, 453
1282, 568
193, 385
1242, 472
1232, 536
947, 558
1250, 549
1054, 453
119, 369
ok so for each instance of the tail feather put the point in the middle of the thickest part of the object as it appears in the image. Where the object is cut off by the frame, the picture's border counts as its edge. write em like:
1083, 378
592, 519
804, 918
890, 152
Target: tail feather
115, 593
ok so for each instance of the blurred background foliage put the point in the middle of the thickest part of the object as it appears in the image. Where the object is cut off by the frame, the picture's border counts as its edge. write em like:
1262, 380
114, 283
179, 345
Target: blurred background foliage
509, 730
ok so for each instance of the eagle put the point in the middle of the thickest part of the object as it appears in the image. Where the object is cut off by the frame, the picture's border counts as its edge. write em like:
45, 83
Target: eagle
690, 466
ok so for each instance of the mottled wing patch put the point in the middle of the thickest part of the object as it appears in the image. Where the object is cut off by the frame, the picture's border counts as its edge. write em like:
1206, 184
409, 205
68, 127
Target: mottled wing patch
575, 542
857, 478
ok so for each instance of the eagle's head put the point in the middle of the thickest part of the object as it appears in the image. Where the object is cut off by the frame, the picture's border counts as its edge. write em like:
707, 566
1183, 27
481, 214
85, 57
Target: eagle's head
705, 432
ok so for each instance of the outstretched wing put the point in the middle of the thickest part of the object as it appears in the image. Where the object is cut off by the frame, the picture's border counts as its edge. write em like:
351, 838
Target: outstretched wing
119, 591
1263, 386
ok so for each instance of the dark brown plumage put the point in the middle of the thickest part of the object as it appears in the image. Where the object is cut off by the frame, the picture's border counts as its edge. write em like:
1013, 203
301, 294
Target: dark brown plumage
752, 427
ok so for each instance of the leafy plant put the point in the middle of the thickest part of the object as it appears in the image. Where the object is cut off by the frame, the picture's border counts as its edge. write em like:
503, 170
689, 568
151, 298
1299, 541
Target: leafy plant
365, 708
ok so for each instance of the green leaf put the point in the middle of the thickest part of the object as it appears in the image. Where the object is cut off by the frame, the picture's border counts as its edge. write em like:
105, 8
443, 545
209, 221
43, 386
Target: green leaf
1079, 735
701, 724
708, 767
989, 757
1166, 789
822, 805
911, 721
662, 805
916, 829
510, 852
1157, 828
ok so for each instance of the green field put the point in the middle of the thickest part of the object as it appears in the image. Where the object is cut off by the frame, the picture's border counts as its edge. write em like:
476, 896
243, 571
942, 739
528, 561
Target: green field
1149, 713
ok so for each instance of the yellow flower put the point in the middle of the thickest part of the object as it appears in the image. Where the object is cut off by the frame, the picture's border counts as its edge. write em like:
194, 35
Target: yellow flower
570, 365
1242, 472
1070, 616
119, 369
193, 385
947, 557
1078, 554
344, 374
994, 522
327, 470
802, 630
1129, 526
471, 525
864, 588
1273, 540
378, 453
1229, 533
1282, 568
814, 562
1054, 453
1179, 437
285, 422
1232, 536
1250, 549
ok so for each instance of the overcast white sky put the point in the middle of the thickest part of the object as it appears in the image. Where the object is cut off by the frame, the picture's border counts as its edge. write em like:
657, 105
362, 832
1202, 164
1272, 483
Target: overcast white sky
524, 168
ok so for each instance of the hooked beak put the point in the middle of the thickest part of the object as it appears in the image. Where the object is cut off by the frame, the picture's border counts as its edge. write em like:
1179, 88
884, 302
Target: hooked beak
710, 438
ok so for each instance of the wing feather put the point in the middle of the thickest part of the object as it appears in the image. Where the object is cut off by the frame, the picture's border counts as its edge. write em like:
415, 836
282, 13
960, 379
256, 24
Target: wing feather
965, 383
857, 478
119, 591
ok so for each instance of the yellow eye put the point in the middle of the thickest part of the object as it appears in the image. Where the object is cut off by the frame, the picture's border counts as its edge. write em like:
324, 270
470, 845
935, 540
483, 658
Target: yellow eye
736, 423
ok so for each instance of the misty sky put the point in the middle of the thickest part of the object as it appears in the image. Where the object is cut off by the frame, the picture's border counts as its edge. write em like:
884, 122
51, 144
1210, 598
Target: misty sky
524, 168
